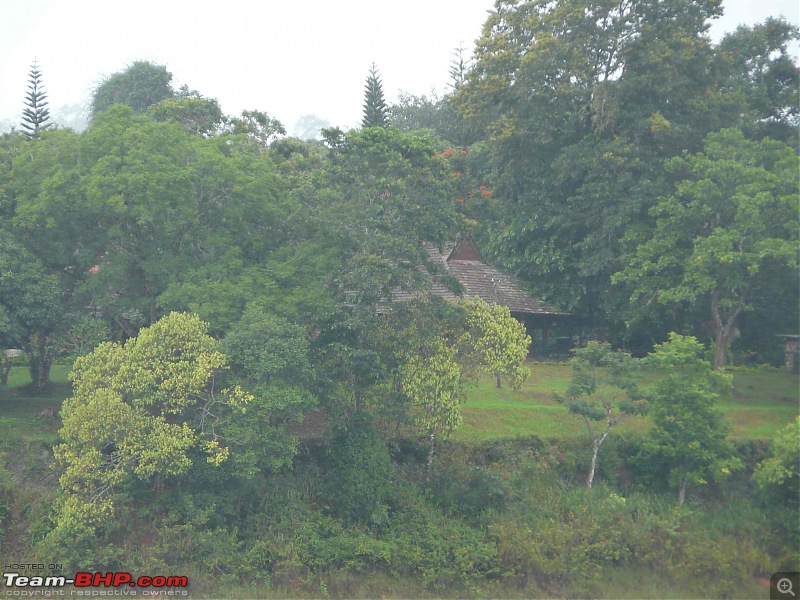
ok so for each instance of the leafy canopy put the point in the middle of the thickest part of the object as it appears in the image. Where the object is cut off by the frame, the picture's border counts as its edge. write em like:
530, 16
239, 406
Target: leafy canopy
688, 435
733, 213
602, 390
141, 85
143, 409
269, 357
580, 102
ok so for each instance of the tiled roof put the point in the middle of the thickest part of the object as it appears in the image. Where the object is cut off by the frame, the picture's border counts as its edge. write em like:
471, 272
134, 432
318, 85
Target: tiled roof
481, 280
496, 287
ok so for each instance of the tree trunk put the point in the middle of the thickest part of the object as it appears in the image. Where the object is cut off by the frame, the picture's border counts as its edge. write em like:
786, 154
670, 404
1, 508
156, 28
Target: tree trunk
431, 450
724, 330
595, 451
43, 361
39, 359
499, 385
723, 338
682, 492
5, 370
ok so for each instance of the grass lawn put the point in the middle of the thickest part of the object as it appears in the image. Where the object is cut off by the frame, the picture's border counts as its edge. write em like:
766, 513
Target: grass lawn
21, 404
760, 403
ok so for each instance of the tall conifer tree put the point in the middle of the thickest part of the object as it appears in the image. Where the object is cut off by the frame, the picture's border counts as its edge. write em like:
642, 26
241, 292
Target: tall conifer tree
374, 104
36, 115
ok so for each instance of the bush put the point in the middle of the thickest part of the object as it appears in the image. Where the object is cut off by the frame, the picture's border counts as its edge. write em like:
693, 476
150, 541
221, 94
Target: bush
360, 473
443, 552
463, 489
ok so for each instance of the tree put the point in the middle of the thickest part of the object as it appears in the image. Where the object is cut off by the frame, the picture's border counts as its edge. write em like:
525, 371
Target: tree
732, 215
412, 112
36, 115
779, 474
140, 85
763, 72
580, 103
385, 192
113, 211
140, 217
269, 357
374, 104
495, 342
430, 377
459, 68
379, 197
11, 145
602, 389
140, 412
257, 128
440, 346
688, 434
197, 114
309, 127
360, 472
30, 307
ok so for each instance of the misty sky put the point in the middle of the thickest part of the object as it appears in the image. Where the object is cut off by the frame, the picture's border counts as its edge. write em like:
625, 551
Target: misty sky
288, 59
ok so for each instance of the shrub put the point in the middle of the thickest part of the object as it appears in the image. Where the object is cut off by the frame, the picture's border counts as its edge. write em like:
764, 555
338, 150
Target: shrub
360, 474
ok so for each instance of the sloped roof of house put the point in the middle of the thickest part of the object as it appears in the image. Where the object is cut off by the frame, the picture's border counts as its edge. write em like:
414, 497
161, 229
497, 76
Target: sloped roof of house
463, 261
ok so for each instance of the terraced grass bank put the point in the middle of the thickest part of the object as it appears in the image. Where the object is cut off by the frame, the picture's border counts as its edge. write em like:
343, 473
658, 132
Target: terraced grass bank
503, 513
758, 405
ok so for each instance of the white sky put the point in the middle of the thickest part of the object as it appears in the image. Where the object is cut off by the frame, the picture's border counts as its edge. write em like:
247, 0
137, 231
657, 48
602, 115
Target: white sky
286, 58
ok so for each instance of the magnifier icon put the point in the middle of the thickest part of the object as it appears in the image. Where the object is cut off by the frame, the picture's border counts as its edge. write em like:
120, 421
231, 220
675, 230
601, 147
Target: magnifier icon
785, 586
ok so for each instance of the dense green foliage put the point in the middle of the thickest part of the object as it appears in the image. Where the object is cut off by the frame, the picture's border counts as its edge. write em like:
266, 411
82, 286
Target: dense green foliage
30, 306
493, 520
582, 104
265, 397
688, 435
141, 410
140, 85
731, 218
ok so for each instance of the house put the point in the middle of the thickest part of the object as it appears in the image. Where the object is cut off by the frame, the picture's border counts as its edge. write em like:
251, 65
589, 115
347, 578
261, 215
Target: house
553, 331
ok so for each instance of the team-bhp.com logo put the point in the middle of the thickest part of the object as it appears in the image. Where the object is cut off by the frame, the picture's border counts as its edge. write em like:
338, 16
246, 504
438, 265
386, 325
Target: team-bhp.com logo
90, 584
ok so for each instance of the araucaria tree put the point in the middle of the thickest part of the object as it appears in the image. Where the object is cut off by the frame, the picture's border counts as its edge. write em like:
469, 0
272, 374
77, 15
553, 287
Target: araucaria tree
36, 115
374, 104
602, 391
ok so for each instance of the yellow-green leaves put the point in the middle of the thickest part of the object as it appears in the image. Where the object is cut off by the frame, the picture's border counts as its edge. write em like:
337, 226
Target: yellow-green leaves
442, 346
496, 341
141, 409
784, 464
430, 378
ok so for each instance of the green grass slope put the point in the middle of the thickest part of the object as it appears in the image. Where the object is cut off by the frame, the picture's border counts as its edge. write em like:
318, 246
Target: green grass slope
759, 404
